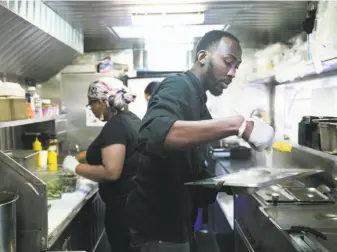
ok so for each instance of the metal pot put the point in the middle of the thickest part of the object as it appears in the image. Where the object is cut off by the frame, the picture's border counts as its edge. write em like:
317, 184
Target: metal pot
8, 221
328, 135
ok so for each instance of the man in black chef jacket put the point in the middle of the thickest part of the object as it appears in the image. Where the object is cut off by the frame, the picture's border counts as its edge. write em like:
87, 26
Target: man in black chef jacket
176, 124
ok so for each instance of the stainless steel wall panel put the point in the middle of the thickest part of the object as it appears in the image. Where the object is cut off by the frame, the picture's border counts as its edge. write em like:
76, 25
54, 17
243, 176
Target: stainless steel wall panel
74, 89
42, 17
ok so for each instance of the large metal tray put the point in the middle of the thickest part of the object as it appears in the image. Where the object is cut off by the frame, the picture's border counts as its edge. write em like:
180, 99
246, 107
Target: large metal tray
249, 181
315, 221
322, 216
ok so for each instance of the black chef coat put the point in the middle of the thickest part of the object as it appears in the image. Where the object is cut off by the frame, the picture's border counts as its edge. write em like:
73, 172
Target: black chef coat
161, 207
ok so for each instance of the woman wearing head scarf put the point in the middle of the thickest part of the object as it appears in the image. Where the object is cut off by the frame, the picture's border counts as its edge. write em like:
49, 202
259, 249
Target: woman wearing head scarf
112, 159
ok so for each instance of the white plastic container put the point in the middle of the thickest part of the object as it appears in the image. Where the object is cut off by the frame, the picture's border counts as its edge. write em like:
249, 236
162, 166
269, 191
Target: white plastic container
38, 107
32, 95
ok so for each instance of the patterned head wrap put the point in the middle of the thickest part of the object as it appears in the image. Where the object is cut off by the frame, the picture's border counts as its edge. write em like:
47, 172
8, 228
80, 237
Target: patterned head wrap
112, 91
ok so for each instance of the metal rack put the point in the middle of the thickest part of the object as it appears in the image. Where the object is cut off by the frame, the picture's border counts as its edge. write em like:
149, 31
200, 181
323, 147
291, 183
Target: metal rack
28, 121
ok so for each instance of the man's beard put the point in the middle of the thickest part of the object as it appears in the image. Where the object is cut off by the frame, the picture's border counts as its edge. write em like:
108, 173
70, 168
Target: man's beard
211, 82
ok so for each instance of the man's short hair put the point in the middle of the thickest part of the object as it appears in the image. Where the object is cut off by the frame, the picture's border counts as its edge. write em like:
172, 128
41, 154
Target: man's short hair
151, 87
211, 38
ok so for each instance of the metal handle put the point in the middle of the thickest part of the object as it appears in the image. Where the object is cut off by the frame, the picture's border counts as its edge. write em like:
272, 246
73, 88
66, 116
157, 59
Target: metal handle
269, 217
244, 238
264, 212
33, 188
65, 244
275, 197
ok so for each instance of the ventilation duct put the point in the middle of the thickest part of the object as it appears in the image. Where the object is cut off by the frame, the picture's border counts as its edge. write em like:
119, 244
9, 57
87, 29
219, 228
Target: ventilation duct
35, 42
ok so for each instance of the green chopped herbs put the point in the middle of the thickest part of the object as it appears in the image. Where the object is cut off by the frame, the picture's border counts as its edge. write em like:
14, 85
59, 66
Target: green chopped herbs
63, 182
53, 190
68, 182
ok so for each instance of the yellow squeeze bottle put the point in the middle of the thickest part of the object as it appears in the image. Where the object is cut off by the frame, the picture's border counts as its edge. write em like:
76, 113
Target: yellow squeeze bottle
52, 156
52, 160
37, 146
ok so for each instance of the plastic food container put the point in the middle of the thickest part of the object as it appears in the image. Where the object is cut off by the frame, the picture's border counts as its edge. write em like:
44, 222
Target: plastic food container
46, 108
68, 182
54, 189
53, 182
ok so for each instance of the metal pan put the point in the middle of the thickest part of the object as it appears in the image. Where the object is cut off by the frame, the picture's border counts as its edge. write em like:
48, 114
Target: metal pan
249, 181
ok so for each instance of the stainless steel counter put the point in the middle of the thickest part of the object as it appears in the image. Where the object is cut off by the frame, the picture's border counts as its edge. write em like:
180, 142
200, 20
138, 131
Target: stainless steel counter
266, 225
63, 211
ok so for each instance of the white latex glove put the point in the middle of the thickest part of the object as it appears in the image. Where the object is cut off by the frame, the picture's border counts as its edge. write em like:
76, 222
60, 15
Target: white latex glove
262, 136
70, 163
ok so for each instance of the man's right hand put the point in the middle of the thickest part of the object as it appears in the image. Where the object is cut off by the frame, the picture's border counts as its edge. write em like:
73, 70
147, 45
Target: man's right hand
259, 135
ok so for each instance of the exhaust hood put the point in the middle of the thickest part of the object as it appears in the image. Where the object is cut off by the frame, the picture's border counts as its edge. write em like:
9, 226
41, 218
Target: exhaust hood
35, 42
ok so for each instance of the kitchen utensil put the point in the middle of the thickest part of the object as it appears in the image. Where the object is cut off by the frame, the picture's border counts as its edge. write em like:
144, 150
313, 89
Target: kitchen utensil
250, 180
73, 148
323, 189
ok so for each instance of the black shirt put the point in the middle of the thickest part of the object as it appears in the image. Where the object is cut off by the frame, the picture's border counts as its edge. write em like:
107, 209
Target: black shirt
160, 207
120, 129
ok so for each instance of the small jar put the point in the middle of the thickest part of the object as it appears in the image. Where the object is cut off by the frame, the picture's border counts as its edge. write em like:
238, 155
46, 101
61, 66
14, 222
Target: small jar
46, 103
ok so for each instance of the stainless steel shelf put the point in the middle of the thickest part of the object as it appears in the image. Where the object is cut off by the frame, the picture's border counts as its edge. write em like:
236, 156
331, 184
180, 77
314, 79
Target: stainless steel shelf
309, 70
29, 121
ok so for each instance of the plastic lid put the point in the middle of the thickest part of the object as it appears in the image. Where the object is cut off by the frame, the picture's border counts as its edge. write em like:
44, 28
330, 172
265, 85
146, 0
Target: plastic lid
46, 101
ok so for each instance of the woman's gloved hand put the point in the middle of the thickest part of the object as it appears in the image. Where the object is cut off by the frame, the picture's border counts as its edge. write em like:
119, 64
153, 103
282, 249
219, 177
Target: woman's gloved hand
258, 134
70, 163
